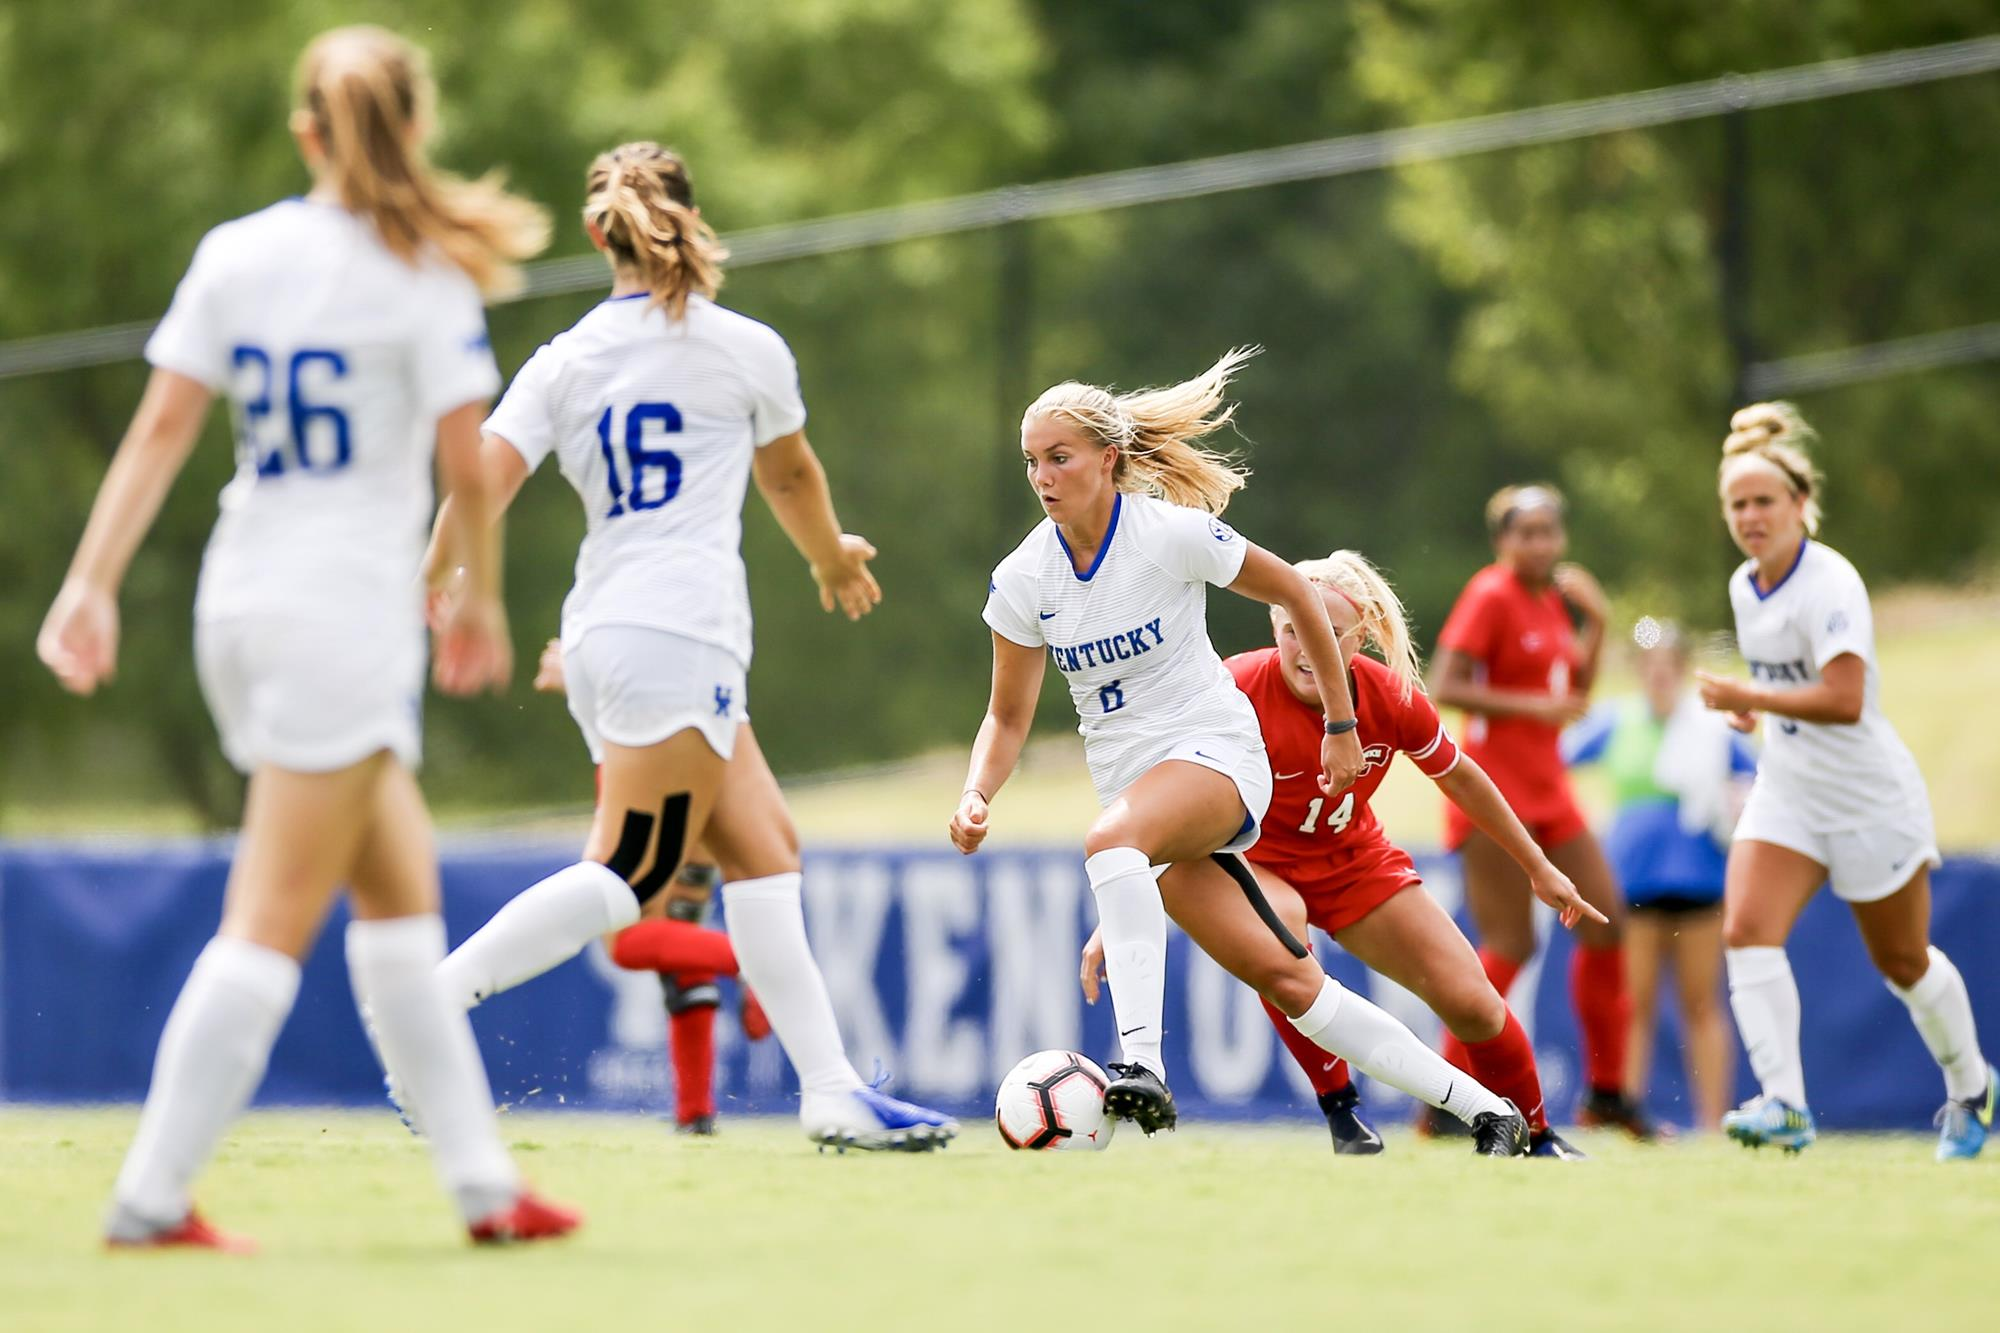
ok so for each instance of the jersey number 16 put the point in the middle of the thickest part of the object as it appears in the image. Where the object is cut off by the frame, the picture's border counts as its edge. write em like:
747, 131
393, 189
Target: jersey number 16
664, 464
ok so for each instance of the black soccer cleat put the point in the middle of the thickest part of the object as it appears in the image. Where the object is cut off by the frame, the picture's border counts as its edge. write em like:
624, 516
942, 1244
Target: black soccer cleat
702, 1126
1137, 1094
1548, 1143
1434, 1122
1352, 1136
1608, 1108
1500, 1133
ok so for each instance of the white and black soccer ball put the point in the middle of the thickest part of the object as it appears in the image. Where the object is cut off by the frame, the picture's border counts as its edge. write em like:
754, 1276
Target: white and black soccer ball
1054, 1101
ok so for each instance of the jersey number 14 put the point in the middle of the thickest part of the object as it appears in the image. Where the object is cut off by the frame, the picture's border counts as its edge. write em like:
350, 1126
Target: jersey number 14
1337, 822
654, 474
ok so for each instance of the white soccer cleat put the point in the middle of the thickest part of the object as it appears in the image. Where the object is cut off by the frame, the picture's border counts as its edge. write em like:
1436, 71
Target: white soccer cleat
871, 1121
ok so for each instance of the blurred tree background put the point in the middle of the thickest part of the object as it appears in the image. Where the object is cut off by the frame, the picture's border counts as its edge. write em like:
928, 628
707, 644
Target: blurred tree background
1431, 332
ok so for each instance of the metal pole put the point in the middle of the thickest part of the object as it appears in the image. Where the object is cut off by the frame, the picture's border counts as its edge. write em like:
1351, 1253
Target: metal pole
1733, 252
1013, 334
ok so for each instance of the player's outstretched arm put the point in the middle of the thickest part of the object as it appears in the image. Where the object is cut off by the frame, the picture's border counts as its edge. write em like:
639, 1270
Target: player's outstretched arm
1017, 684
793, 483
1468, 788
1836, 698
79, 637
1269, 580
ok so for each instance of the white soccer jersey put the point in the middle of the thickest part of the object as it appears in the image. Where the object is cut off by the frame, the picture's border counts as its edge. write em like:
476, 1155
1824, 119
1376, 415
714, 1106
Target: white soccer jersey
1834, 777
338, 358
1130, 634
654, 422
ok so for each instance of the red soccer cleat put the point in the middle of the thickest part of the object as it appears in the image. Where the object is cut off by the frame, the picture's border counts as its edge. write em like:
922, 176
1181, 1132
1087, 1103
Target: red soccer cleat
756, 1025
191, 1232
529, 1218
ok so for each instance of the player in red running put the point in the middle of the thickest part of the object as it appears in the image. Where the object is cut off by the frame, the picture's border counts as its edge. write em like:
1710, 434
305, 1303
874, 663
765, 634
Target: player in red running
1324, 859
1511, 659
671, 941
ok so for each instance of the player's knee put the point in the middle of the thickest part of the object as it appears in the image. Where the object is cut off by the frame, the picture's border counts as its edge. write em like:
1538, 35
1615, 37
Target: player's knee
1741, 930
1291, 984
1110, 830
1473, 1015
1901, 966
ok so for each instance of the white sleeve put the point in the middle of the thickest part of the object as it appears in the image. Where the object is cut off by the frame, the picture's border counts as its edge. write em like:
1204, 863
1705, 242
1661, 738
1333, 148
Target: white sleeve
190, 339
776, 406
523, 417
454, 357
1010, 608
1840, 620
1193, 545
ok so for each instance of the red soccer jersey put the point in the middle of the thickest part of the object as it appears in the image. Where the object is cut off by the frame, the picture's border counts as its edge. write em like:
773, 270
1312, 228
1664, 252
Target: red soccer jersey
1309, 836
1519, 640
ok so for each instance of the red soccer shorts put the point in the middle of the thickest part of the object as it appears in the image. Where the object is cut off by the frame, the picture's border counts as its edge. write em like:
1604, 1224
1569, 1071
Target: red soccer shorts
1357, 887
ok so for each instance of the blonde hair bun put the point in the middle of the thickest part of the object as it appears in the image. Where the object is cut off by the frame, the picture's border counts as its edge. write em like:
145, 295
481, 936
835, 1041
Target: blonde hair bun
1766, 423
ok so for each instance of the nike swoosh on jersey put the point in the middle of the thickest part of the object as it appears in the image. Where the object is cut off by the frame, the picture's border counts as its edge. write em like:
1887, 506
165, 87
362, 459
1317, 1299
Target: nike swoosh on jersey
1287, 777
1047, 615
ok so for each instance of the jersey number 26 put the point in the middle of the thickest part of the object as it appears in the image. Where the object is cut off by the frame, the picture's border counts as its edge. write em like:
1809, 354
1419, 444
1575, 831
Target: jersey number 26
643, 464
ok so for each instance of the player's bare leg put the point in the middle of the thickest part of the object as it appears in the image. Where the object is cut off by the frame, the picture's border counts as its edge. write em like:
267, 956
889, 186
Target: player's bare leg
757, 847
653, 805
1710, 1054
1649, 940
1217, 910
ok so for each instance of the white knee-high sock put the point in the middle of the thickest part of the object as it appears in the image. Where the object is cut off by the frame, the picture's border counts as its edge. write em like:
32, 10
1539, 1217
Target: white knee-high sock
1133, 921
211, 1058
545, 924
1942, 1012
1765, 999
1367, 1037
767, 926
428, 1041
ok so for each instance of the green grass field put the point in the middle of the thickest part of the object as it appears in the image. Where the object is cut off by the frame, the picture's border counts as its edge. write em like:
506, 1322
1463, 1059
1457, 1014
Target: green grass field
1211, 1228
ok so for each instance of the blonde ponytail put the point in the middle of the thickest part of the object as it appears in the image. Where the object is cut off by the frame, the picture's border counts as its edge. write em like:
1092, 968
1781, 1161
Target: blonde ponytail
1382, 619
1776, 436
639, 199
370, 97
1154, 432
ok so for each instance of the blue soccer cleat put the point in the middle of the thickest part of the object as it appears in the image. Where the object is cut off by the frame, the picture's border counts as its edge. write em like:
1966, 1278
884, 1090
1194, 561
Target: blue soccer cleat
1547, 1143
1763, 1120
870, 1120
1962, 1125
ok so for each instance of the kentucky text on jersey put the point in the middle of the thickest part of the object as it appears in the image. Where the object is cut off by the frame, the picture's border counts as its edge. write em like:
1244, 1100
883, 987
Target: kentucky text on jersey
1118, 648
1793, 671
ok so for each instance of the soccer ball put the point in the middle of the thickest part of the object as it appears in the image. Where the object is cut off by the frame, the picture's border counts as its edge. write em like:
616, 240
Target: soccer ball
1054, 1101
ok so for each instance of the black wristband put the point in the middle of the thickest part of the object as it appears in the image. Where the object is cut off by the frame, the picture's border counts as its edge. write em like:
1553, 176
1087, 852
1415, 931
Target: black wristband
1342, 728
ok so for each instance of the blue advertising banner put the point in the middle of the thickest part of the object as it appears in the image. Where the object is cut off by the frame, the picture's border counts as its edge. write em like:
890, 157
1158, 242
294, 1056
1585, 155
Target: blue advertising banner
944, 971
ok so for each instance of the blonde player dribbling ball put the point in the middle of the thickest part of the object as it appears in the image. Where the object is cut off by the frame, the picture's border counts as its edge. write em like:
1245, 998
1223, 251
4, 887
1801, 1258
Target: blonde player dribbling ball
1837, 797
1112, 588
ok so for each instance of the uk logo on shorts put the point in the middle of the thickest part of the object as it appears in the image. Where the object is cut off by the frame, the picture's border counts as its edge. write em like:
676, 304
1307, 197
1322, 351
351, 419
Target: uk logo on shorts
723, 697
1221, 531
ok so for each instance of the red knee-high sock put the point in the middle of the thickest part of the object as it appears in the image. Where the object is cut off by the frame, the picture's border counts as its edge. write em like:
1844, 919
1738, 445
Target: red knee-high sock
1501, 972
691, 1041
673, 946
1327, 1072
1604, 1012
1505, 1063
